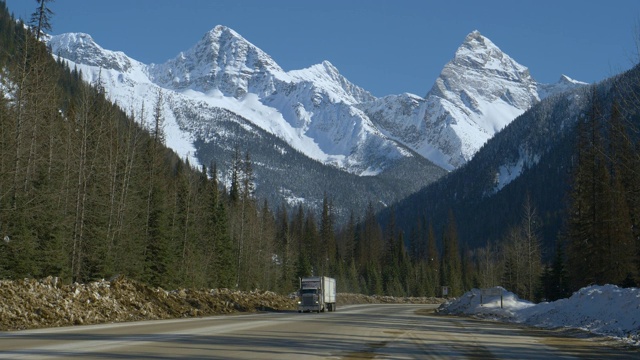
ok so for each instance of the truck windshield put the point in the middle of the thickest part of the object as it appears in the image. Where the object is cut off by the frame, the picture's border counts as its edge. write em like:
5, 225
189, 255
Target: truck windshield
308, 291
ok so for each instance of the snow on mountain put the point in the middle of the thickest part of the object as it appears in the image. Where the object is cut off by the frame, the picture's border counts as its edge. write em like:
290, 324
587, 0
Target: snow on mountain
563, 85
321, 104
222, 60
479, 92
327, 77
126, 82
82, 49
476, 95
311, 109
401, 118
317, 110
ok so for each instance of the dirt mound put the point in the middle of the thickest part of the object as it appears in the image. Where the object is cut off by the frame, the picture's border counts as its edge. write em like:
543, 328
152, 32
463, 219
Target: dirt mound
30, 303
346, 298
33, 303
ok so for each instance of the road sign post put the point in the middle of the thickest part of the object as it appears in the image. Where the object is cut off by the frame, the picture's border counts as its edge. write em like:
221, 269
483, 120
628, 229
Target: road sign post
490, 292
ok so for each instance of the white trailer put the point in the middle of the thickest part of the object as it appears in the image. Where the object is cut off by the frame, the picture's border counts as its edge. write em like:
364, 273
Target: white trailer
317, 293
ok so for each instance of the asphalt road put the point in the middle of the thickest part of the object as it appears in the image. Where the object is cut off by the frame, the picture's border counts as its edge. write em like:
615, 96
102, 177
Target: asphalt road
353, 332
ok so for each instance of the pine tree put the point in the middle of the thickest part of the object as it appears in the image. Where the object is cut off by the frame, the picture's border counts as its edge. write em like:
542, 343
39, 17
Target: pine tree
248, 178
158, 119
41, 18
234, 192
433, 255
286, 251
407, 281
347, 241
157, 252
601, 246
327, 236
225, 271
157, 255
584, 259
432, 264
625, 198
373, 279
533, 253
554, 280
418, 241
451, 266
370, 250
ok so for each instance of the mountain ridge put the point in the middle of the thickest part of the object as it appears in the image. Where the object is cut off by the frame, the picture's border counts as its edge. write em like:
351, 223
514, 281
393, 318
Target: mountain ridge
317, 111
479, 92
226, 62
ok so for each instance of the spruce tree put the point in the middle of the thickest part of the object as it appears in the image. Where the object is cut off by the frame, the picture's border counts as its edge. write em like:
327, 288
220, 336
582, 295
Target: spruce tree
433, 255
625, 168
41, 18
224, 269
236, 167
451, 266
584, 247
327, 236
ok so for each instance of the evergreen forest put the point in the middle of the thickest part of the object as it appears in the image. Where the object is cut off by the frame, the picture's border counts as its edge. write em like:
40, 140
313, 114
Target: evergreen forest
89, 191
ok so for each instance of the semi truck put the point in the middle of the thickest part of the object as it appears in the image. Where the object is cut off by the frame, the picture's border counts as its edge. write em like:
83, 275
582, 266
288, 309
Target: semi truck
317, 293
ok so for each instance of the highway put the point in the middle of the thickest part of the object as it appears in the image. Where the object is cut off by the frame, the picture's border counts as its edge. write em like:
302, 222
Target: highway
353, 332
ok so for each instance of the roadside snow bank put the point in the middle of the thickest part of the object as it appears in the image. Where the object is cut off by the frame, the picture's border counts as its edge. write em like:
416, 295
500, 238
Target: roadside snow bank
604, 310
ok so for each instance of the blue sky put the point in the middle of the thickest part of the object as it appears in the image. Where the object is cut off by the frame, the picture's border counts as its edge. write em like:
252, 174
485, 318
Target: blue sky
386, 47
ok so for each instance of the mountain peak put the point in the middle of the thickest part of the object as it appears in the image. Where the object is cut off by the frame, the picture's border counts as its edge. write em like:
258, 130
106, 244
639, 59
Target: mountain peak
474, 36
221, 36
329, 66
221, 28
77, 38
221, 31
564, 79
463, 101
222, 60
476, 40
480, 59
82, 49
327, 77
563, 85
477, 51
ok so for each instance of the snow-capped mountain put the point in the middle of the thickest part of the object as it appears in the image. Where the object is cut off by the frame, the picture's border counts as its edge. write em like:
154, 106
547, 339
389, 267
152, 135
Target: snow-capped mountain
303, 133
477, 94
563, 85
224, 88
311, 109
224, 61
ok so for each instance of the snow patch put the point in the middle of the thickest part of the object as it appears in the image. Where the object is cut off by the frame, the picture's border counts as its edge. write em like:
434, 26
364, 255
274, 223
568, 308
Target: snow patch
605, 310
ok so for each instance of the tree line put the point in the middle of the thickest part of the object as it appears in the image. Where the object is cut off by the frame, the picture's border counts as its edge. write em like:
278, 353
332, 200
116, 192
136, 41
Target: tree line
89, 190
603, 225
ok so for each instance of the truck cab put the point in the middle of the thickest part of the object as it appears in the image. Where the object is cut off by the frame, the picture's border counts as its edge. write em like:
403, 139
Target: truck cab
317, 294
